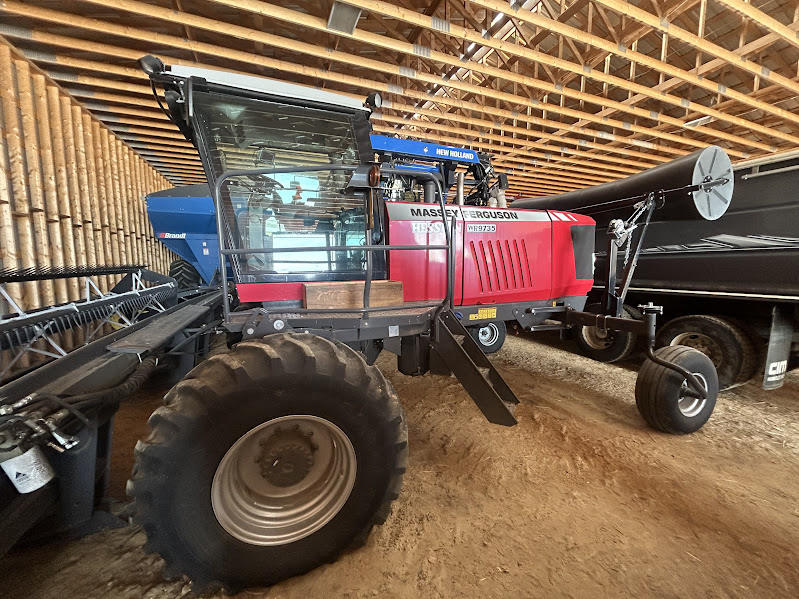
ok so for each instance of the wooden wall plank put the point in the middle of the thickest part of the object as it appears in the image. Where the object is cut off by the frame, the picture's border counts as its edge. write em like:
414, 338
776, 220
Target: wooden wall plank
64, 187
44, 129
70, 189
19, 181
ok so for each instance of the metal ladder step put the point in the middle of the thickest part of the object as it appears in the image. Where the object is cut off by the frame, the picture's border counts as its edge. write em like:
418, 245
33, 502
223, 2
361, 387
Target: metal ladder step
461, 354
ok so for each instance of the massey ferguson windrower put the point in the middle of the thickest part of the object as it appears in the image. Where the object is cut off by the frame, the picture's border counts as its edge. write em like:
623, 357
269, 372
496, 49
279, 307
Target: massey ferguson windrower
273, 458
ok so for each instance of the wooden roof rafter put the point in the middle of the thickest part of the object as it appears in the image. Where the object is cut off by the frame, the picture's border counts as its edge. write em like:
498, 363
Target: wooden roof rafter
562, 29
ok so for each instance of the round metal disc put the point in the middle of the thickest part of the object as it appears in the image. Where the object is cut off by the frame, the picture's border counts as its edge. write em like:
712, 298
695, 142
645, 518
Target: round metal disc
256, 505
712, 202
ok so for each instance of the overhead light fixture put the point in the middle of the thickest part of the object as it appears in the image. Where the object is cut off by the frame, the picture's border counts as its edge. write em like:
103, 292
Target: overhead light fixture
343, 18
497, 18
702, 120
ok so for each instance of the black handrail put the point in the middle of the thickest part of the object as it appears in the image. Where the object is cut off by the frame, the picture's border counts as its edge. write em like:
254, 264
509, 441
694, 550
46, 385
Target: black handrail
449, 294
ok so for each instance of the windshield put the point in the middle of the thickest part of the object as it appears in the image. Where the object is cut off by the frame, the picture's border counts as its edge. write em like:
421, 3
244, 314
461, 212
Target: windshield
298, 208
244, 133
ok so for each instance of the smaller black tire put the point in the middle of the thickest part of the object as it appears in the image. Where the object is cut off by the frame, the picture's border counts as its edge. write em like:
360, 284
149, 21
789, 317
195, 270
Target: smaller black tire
490, 336
721, 339
185, 274
661, 394
606, 346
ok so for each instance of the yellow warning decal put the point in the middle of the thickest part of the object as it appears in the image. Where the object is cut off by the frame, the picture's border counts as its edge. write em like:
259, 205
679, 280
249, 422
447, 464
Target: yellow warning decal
483, 313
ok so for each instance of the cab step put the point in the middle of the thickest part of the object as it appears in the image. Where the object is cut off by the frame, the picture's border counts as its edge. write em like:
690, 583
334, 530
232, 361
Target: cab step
460, 353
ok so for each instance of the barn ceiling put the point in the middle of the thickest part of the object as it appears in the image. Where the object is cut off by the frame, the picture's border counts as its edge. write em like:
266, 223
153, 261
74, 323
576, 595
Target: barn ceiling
563, 94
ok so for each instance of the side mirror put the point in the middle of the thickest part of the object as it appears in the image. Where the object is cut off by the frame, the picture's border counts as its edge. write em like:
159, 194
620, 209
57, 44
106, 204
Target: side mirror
151, 65
503, 181
374, 100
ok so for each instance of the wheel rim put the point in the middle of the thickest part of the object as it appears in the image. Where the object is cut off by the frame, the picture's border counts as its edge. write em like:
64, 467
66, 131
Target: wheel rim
283, 480
691, 406
707, 345
597, 338
488, 334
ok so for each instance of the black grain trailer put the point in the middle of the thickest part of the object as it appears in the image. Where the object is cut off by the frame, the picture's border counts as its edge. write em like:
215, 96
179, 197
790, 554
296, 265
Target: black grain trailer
729, 286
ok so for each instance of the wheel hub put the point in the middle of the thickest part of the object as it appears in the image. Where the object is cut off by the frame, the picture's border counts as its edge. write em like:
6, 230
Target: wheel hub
283, 480
707, 345
597, 338
689, 405
287, 458
488, 334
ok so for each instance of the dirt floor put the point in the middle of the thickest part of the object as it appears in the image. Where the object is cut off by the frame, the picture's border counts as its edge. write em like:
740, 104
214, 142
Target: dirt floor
579, 500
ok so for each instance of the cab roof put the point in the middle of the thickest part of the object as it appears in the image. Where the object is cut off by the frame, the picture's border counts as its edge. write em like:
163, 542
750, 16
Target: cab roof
269, 86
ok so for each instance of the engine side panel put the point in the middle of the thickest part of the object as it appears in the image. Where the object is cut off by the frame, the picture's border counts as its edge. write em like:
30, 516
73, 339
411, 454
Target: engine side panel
507, 255
570, 250
423, 273
502, 255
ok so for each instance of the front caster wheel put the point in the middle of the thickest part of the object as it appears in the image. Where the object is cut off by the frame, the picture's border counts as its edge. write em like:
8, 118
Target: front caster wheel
489, 336
664, 398
269, 461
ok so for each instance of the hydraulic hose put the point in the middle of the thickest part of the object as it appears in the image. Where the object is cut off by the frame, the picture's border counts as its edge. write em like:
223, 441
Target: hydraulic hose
130, 385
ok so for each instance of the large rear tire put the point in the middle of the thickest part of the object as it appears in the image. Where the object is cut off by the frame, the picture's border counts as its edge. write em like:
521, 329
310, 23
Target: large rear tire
185, 274
606, 345
728, 346
662, 395
269, 461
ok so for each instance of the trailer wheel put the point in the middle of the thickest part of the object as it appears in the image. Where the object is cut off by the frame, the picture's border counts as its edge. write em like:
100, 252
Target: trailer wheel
489, 336
728, 346
605, 345
268, 461
185, 274
661, 394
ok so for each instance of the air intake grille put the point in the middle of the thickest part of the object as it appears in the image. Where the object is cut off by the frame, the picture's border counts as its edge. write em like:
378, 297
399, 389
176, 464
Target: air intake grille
501, 266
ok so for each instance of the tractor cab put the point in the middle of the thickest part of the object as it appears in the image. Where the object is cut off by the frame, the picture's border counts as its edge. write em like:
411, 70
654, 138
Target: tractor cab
312, 151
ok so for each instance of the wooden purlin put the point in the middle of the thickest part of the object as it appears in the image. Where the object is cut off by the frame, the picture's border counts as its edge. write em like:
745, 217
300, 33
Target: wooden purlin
469, 134
536, 172
742, 52
554, 160
142, 134
663, 67
348, 59
489, 109
174, 134
698, 42
565, 154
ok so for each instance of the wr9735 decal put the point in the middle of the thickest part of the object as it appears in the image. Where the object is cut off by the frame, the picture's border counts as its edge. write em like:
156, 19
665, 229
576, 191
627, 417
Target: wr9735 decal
476, 228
